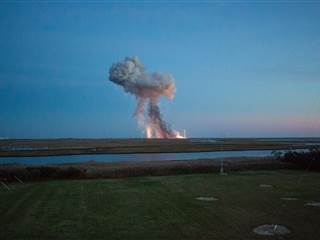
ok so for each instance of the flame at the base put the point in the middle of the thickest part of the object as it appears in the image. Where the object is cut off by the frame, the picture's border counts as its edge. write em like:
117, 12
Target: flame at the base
151, 133
179, 135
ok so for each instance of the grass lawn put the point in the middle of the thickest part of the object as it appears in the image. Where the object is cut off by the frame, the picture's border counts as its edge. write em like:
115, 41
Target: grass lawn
162, 207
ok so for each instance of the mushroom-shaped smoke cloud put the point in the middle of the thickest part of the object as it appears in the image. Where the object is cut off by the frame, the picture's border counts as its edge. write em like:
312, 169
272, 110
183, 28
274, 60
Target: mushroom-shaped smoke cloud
148, 88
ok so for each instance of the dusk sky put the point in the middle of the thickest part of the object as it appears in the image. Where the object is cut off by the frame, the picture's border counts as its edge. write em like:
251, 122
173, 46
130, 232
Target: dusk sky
242, 69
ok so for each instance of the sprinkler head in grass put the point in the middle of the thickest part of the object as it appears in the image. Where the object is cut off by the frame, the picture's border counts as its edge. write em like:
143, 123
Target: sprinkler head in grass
207, 199
271, 230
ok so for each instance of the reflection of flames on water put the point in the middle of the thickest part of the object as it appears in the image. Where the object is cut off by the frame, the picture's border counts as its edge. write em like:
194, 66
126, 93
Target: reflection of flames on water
153, 133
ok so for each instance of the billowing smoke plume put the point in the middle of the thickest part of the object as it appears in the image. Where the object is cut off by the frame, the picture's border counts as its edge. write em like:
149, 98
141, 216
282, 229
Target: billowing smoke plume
148, 88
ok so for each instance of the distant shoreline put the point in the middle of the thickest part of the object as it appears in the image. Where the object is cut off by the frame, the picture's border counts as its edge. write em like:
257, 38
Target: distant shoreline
57, 147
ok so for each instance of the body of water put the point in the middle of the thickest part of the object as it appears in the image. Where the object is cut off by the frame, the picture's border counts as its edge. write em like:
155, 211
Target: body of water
136, 157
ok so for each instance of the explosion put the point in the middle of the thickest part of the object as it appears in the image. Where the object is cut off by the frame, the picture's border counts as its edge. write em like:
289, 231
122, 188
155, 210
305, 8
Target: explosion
148, 88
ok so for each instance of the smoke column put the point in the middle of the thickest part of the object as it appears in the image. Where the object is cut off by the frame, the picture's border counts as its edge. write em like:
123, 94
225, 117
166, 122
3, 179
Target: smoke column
148, 88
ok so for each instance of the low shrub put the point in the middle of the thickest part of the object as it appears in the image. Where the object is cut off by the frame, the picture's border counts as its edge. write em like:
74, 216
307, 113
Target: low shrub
309, 160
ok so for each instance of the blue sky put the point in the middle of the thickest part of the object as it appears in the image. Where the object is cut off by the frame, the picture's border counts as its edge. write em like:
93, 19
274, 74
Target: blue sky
242, 69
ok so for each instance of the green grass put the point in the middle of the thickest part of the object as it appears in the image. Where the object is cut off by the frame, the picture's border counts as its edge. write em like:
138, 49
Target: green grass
162, 207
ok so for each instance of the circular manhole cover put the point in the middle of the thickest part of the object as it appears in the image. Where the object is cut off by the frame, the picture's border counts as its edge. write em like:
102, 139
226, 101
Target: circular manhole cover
313, 204
265, 185
289, 199
207, 198
271, 230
